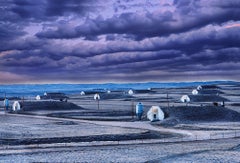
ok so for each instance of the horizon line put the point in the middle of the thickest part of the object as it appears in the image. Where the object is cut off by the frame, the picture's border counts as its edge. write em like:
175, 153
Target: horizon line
163, 82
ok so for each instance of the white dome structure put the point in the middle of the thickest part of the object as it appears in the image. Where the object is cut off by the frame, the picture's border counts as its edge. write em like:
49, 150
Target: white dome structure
108, 91
96, 96
185, 99
199, 88
130, 92
195, 92
38, 97
155, 114
82, 93
16, 106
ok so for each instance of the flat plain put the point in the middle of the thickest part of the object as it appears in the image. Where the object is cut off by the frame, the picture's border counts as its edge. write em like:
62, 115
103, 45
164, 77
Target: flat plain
85, 130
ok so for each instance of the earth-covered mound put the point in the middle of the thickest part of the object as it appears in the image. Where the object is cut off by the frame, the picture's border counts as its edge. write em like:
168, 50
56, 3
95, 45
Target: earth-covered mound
207, 98
191, 114
55, 96
210, 87
10, 98
106, 96
48, 105
210, 91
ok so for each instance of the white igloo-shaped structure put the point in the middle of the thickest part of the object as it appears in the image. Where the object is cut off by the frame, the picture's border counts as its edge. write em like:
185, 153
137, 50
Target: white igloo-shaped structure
16, 106
38, 97
195, 92
96, 96
130, 92
82, 93
185, 99
155, 114
199, 87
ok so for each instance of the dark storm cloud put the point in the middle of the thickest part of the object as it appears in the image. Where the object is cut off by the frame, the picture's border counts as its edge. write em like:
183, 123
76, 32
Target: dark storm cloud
115, 25
157, 53
119, 40
189, 43
210, 57
59, 7
18, 14
139, 26
133, 57
10, 31
28, 9
21, 44
190, 15
5, 11
46, 9
210, 53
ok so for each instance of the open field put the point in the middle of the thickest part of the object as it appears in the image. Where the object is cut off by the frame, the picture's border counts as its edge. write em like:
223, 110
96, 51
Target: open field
84, 131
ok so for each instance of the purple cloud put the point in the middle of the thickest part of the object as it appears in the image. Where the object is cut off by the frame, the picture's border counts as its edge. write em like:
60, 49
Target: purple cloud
53, 40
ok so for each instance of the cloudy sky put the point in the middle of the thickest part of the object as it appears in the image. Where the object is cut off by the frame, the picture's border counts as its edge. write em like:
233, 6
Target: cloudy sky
99, 41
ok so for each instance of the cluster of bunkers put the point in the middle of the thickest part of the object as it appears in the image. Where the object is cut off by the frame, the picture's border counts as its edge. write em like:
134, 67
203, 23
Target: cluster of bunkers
154, 114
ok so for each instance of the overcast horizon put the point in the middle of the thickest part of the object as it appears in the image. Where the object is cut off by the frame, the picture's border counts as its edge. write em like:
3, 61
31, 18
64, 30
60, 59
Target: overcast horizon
93, 41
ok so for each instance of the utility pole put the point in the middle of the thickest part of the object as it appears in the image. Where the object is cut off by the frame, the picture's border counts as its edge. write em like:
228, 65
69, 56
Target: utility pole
98, 103
5, 102
132, 109
97, 98
167, 100
5, 107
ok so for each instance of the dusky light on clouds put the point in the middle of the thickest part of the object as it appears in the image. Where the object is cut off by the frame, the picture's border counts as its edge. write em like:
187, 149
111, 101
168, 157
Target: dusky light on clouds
97, 41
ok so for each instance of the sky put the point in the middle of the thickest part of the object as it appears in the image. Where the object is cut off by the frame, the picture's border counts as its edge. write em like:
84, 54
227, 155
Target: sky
102, 41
